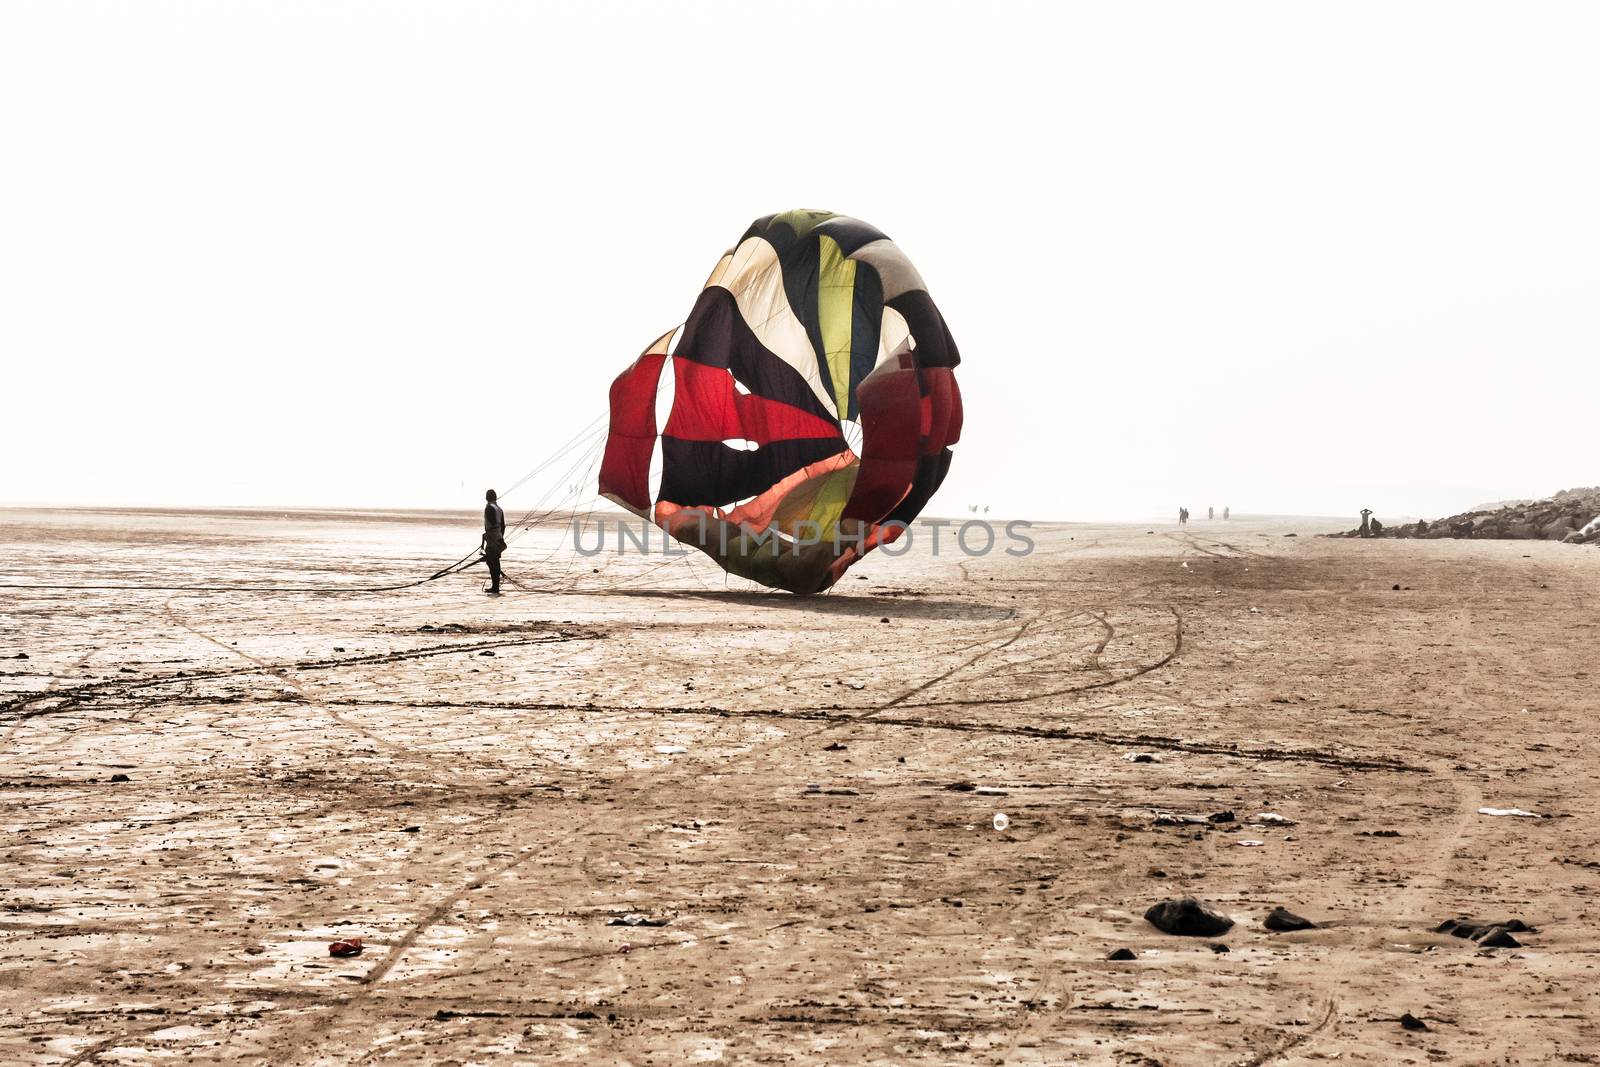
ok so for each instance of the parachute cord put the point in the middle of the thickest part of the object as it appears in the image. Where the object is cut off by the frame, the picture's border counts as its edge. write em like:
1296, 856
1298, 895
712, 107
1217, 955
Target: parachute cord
572, 442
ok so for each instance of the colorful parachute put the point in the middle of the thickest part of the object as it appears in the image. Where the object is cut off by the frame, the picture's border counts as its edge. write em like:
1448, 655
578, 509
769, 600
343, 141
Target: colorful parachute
809, 402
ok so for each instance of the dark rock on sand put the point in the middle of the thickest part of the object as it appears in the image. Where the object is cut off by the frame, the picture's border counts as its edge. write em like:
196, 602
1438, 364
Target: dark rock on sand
1187, 917
1498, 937
1492, 934
1411, 1022
1122, 954
1282, 920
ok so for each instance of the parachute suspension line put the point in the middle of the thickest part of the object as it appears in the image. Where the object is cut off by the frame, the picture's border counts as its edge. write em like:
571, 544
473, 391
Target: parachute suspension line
572, 501
596, 427
595, 501
540, 512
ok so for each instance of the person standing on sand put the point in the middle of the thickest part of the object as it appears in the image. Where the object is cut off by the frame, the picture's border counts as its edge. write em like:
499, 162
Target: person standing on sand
1366, 522
494, 539
1211, 513
1224, 514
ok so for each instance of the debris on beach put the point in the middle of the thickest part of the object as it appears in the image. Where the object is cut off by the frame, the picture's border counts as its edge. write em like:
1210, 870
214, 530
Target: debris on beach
1499, 938
349, 946
1271, 818
1187, 917
1516, 812
1166, 818
1486, 934
1282, 920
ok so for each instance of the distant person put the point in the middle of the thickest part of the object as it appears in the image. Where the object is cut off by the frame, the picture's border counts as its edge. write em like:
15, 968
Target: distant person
1183, 516
1211, 513
494, 539
1375, 529
1366, 522
1224, 514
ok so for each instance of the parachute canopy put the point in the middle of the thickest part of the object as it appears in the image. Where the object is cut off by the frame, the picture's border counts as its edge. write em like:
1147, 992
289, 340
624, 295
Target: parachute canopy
808, 405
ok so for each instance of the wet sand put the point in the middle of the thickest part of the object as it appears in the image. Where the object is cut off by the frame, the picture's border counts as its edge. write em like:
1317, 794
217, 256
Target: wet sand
492, 793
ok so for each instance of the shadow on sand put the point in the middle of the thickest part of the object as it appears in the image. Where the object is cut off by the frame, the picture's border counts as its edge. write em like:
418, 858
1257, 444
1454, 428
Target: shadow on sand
868, 606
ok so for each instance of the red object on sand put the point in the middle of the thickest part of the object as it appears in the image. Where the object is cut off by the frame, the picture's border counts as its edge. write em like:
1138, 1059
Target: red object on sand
350, 946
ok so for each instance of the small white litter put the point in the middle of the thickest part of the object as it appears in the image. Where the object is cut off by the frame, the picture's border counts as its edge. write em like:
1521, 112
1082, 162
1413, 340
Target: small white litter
1510, 811
1001, 821
1271, 817
990, 791
671, 750
1250, 844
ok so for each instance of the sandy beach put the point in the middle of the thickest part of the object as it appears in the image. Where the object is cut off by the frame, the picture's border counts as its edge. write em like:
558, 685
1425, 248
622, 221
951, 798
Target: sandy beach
632, 812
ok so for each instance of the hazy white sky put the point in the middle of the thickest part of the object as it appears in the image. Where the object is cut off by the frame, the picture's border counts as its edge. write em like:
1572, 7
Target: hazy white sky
1282, 256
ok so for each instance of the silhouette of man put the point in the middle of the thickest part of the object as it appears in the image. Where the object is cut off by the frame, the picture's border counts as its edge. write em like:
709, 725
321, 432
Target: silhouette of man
494, 539
1225, 513
1366, 522
1211, 513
